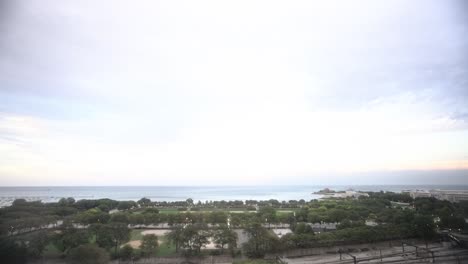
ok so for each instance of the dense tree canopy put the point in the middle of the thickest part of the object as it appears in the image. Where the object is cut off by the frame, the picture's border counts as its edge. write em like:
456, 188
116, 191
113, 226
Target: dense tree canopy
225, 237
149, 244
88, 254
260, 242
69, 224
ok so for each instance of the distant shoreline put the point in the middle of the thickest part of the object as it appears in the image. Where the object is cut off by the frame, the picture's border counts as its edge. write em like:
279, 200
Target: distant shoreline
197, 193
216, 186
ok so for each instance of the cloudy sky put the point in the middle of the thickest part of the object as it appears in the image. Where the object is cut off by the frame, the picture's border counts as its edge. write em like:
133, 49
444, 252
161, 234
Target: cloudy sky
233, 92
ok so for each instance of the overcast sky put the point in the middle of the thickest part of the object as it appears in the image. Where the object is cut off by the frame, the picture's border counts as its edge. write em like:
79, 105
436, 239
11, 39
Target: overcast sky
233, 92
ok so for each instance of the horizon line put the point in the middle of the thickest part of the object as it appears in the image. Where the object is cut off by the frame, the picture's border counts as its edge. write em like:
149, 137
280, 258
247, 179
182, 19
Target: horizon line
252, 185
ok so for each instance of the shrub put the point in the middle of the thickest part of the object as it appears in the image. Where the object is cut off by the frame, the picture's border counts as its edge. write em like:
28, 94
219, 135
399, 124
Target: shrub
88, 254
126, 252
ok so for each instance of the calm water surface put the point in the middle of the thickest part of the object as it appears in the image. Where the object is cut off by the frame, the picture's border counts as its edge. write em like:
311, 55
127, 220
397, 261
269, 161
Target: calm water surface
202, 193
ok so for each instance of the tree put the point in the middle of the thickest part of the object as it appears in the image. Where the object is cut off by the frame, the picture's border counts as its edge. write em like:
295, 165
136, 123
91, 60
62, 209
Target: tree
337, 215
106, 204
191, 237
70, 238
189, 202
224, 236
194, 237
295, 240
119, 234
12, 252
176, 237
126, 252
349, 224
149, 244
104, 236
119, 218
150, 211
88, 254
236, 219
19, 202
217, 217
86, 204
267, 214
453, 222
302, 214
260, 241
143, 202
111, 235
66, 201
37, 244
424, 227
125, 205
303, 228
92, 216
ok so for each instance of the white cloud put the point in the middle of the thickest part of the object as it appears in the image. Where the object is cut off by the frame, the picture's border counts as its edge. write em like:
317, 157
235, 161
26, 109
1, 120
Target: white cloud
228, 93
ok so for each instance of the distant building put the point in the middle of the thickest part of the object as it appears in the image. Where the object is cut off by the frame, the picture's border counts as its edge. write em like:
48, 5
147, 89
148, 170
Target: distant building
349, 194
356, 194
420, 194
453, 196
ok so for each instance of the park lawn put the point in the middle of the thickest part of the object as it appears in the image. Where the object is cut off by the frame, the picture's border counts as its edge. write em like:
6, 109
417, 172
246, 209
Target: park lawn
92, 239
136, 234
283, 213
218, 209
169, 211
227, 210
51, 251
165, 248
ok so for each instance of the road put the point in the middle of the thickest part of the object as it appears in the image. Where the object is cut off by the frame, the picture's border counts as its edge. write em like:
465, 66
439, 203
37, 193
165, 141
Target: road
390, 255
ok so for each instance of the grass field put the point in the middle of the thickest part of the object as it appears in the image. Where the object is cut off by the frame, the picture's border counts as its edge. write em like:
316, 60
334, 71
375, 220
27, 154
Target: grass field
165, 248
169, 211
136, 234
51, 251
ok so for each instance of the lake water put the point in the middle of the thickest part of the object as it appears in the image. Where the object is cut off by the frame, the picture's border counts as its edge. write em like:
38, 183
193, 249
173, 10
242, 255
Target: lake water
202, 193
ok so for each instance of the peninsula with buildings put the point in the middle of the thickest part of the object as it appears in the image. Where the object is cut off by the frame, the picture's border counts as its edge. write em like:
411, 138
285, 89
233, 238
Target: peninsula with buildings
329, 193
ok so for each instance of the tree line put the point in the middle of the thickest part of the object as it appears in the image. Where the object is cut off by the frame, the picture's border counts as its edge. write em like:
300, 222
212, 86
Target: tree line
108, 224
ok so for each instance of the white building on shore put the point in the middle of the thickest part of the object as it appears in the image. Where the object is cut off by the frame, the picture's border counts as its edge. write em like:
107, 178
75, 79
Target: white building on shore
447, 195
